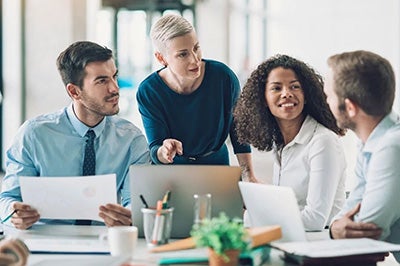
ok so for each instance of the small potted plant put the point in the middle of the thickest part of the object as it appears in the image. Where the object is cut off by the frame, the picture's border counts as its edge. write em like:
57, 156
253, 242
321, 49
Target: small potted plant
224, 237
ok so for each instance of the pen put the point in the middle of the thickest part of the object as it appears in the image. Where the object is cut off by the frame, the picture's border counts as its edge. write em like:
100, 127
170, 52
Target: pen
166, 199
144, 201
9, 216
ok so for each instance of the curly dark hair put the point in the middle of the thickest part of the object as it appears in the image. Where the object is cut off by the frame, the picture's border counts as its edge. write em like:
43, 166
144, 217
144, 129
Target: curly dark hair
256, 125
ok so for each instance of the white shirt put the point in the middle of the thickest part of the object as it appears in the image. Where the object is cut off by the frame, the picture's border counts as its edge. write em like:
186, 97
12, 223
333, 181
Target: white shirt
313, 164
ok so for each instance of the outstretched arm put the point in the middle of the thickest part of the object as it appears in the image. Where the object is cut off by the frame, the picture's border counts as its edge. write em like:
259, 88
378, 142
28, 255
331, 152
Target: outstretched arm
167, 152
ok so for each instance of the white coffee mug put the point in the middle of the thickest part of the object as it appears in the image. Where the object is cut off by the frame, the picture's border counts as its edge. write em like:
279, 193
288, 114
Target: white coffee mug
122, 240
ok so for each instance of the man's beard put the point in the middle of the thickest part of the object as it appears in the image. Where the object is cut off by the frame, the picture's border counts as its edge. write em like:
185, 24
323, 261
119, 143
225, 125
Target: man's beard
344, 121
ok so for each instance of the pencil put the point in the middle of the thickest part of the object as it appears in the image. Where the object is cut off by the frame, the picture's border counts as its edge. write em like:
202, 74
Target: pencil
9, 216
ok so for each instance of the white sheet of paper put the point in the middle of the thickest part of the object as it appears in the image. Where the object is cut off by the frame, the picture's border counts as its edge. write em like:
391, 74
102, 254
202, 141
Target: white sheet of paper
77, 197
335, 248
67, 245
89, 260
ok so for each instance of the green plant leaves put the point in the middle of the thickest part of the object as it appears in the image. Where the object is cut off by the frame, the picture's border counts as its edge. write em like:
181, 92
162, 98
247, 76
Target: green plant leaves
221, 234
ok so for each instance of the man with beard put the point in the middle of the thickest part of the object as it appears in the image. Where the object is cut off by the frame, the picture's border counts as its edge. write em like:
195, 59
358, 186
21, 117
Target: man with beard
360, 89
54, 144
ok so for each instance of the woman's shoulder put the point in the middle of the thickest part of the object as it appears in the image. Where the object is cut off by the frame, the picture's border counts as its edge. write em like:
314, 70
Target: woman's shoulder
217, 65
149, 80
321, 132
214, 63
324, 136
217, 70
150, 86
325, 141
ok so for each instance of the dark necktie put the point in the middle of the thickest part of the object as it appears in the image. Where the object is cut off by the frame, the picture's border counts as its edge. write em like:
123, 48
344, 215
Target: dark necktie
89, 161
89, 164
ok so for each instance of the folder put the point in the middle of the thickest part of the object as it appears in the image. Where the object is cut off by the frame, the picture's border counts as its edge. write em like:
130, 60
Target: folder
255, 257
354, 260
357, 251
259, 236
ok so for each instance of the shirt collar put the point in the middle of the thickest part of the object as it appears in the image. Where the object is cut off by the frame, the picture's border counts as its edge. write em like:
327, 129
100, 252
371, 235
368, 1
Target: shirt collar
306, 131
387, 122
80, 127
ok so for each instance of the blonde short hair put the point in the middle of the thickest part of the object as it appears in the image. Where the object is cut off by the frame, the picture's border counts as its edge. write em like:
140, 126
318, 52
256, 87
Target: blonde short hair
167, 28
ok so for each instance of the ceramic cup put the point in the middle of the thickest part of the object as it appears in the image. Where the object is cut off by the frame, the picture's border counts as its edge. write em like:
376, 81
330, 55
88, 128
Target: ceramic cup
122, 240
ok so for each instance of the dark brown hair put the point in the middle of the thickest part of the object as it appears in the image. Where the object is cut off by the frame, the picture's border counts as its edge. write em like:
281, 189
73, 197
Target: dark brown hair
72, 61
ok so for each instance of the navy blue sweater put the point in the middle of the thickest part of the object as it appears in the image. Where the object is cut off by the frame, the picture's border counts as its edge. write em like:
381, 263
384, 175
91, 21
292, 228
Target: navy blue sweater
201, 120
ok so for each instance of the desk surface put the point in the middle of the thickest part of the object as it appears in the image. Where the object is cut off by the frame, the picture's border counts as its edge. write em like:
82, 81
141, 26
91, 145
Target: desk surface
142, 256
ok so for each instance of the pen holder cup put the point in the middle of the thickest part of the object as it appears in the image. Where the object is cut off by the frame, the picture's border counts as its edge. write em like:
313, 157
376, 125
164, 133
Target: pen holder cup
157, 225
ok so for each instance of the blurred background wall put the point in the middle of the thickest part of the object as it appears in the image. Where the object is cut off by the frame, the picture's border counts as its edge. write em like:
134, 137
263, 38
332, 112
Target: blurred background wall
240, 33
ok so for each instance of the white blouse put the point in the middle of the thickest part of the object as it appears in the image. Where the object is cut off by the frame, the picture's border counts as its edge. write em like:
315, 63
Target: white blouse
313, 164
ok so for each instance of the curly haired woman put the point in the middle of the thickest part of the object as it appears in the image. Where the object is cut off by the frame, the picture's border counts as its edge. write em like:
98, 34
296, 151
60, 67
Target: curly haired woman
283, 108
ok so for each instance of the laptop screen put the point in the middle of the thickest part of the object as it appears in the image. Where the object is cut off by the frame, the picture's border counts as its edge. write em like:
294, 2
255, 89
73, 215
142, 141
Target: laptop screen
184, 181
273, 205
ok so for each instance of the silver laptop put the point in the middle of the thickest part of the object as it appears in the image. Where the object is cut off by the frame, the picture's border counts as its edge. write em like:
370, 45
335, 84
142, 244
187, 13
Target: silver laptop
152, 181
273, 205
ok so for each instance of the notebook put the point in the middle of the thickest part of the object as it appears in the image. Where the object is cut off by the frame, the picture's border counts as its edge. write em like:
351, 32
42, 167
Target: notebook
273, 205
152, 181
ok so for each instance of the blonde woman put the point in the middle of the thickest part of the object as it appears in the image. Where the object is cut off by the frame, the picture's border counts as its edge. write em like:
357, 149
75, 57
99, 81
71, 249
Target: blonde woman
186, 106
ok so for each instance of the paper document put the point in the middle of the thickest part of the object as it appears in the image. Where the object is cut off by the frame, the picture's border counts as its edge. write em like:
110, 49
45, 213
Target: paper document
93, 260
336, 248
66, 230
67, 246
69, 197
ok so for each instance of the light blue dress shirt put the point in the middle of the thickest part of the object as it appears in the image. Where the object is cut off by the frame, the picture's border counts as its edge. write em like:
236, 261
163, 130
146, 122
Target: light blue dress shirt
53, 145
378, 180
